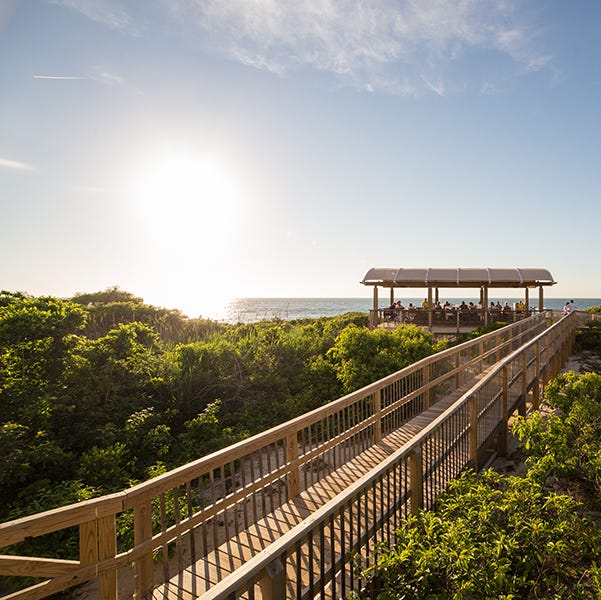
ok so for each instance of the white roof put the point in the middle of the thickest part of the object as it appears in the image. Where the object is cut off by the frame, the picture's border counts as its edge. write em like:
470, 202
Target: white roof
435, 277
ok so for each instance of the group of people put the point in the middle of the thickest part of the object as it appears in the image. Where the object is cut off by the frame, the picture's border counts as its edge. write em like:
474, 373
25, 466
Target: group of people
494, 306
569, 307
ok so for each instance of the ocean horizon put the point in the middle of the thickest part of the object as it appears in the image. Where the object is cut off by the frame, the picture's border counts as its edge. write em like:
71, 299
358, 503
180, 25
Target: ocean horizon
252, 310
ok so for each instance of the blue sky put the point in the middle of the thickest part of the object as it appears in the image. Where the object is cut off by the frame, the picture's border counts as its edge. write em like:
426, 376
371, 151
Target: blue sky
191, 151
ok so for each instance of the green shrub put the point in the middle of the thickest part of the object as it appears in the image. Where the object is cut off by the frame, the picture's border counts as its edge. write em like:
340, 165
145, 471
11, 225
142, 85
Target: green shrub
492, 536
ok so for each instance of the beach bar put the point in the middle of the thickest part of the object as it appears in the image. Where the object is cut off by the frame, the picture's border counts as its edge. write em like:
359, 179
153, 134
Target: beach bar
435, 279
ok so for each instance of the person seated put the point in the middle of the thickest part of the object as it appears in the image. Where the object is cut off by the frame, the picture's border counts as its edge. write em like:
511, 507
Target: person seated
399, 305
389, 312
425, 303
463, 305
506, 307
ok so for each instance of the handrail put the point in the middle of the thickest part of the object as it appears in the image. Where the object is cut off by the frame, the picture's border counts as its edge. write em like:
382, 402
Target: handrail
255, 475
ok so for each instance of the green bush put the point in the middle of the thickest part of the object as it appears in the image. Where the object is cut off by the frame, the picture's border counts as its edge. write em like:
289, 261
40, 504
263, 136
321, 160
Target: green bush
492, 536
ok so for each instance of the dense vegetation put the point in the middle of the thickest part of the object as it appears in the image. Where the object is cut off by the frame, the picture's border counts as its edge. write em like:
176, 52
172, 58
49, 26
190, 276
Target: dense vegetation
532, 536
102, 391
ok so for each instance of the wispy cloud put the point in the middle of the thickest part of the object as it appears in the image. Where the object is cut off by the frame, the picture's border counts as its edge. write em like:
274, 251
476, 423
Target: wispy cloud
7, 163
105, 77
398, 45
106, 12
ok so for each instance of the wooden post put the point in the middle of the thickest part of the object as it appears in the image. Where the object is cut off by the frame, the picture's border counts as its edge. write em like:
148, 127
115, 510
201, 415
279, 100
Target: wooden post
391, 295
473, 407
527, 300
426, 372
417, 479
97, 542
293, 471
502, 444
273, 581
537, 381
143, 533
522, 404
88, 543
378, 415
107, 548
541, 301
485, 304
457, 365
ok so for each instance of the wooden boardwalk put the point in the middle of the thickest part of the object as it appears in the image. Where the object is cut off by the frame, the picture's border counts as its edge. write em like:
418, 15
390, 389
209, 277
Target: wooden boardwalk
198, 578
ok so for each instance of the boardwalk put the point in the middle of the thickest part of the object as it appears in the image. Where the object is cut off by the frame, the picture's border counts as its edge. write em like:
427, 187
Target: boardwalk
236, 551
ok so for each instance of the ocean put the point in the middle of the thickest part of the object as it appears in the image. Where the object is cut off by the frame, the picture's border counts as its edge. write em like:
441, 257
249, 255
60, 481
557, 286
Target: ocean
251, 310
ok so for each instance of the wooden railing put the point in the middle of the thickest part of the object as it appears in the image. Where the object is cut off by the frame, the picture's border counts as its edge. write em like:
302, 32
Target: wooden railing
451, 318
350, 529
183, 515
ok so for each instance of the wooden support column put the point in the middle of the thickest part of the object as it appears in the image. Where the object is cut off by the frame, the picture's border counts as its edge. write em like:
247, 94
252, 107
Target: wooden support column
417, 479
485, 304
375, 297
541, 300
88, 543
457, 365
143, 533
378, 415
527, 299
107, 548
522, 404
391, 295
537, 381
473, 407
426, 372
503, 429
436, 297
293, 470
97, 542
273, 581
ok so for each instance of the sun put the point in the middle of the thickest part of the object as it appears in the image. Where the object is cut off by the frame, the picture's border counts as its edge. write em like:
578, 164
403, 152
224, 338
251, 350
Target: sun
187, 216
183, 194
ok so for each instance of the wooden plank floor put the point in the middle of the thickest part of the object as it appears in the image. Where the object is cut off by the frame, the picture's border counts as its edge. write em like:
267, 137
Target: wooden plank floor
193, 581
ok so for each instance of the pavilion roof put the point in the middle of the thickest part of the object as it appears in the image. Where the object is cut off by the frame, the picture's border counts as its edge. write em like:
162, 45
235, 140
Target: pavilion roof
457, 277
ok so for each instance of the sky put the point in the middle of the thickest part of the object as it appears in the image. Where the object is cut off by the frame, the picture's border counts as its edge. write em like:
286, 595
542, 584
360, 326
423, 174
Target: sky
194, 151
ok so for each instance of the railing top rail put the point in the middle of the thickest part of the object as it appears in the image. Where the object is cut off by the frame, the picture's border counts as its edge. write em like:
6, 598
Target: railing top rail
125, 499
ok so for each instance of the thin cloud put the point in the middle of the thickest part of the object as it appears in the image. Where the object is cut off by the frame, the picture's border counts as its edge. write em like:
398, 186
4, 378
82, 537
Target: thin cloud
7, 163
393, 42
104, 12
106, 77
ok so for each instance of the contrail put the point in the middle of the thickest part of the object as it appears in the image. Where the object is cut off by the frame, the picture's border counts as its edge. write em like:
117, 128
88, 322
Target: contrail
56, 77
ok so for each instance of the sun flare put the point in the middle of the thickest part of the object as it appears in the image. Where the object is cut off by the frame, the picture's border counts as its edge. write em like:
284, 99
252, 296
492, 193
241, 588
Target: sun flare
188, 207
188, 192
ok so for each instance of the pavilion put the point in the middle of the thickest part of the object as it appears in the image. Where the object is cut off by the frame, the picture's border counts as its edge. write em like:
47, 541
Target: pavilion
434, 279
